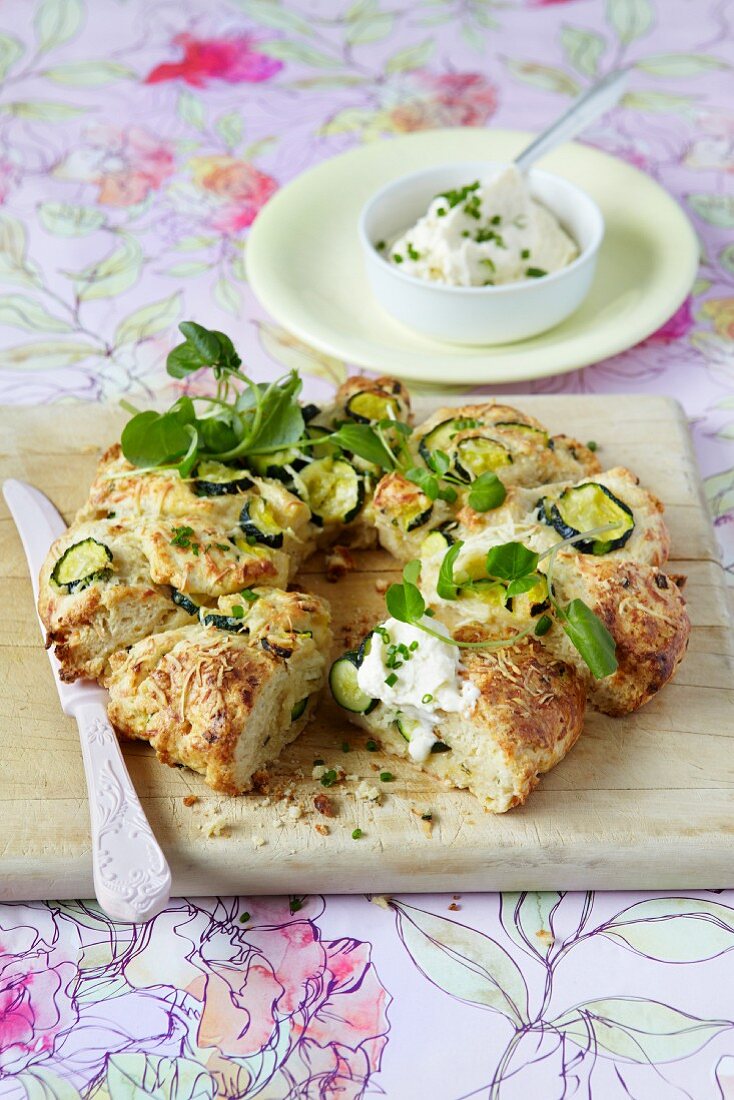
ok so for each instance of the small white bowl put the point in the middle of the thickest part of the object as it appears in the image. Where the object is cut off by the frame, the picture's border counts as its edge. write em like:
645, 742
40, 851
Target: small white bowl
478, 315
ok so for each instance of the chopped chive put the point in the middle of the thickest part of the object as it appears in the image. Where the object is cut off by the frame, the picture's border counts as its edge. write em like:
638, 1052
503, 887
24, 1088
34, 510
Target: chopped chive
387, 777
442, 212
244, 918
525, 254
346, 747
296, 904
238, 612
592, 445
458, 195
496, 220
398, 259
249, 595
412, 253
371, 746
357, 834
318, 763
427, 817
535, 272
380, 246
328, 779
488, 263
465, 233
391, 680
413, 646
427, 698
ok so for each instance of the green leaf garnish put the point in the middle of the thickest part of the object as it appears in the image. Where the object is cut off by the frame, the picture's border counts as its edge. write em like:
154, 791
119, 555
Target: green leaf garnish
486, 493
404, 602
590, 637
446, 586
511, 561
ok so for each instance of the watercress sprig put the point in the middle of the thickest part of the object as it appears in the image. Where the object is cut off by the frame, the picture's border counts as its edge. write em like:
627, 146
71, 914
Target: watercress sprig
516, 566
405, 602
245, 418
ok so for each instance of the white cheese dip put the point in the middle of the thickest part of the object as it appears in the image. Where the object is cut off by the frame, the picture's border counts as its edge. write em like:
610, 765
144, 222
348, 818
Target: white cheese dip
419, 687
484, 234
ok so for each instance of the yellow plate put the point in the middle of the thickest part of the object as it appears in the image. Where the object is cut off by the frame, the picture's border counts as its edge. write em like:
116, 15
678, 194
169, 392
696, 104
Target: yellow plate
305, 265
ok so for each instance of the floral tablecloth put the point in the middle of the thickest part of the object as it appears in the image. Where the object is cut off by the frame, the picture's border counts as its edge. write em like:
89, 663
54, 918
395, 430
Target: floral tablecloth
138, 140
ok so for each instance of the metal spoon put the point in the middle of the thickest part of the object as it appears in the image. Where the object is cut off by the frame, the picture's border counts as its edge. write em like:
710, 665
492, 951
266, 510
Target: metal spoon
601, 97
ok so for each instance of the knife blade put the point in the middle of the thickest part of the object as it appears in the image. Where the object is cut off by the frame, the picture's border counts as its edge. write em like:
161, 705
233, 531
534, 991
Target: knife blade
132, 880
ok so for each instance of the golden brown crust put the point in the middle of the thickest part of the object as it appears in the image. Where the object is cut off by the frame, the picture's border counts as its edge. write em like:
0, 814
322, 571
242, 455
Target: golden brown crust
220, 702
643, 610
529, 714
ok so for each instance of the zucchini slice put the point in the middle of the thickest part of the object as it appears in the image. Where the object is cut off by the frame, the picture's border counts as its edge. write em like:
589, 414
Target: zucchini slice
583, 507
299, 708
441, 437
335, 490
214, 479
345, 688
274, 465
406, 727
477, 454
82, 564
418, 513
182, 600
369, 405
259, 524
538, 435
285, 650
223, 622
435, 543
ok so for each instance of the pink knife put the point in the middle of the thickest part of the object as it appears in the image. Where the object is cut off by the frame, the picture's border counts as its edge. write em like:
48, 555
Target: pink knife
132, 879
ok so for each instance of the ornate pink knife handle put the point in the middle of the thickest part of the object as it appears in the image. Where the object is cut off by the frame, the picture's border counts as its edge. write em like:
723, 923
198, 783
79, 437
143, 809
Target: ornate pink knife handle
132, 880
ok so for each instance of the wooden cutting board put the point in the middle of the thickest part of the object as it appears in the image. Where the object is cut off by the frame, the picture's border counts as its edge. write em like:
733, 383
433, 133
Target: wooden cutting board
641, 802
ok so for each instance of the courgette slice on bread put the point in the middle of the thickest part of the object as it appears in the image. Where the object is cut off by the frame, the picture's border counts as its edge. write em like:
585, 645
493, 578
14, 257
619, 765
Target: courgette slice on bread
536, 435
442, 436
214, 479
477, 454
82, 564
230, 623
369, 405
345, 686
182, 600
584, 507
278, 464
334, 490
299, 708
259, 524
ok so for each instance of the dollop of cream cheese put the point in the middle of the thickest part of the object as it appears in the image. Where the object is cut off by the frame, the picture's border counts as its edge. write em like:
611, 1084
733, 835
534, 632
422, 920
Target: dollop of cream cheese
488, 233
427, 685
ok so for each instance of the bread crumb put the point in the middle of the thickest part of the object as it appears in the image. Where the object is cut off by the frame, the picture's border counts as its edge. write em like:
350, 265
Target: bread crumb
218, 826
381, 586
323, 829
383, 900
318, 771
368, 792
454, 907
324, 805
545, 936
338, 563
190, 799
258, 841
294, 812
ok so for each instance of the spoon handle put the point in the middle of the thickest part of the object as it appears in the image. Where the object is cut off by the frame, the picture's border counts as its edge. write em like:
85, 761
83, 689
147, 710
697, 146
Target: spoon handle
601, 97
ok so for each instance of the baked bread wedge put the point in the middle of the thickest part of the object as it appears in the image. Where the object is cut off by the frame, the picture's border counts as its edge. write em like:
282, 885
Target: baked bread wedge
225, 695
509, 716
